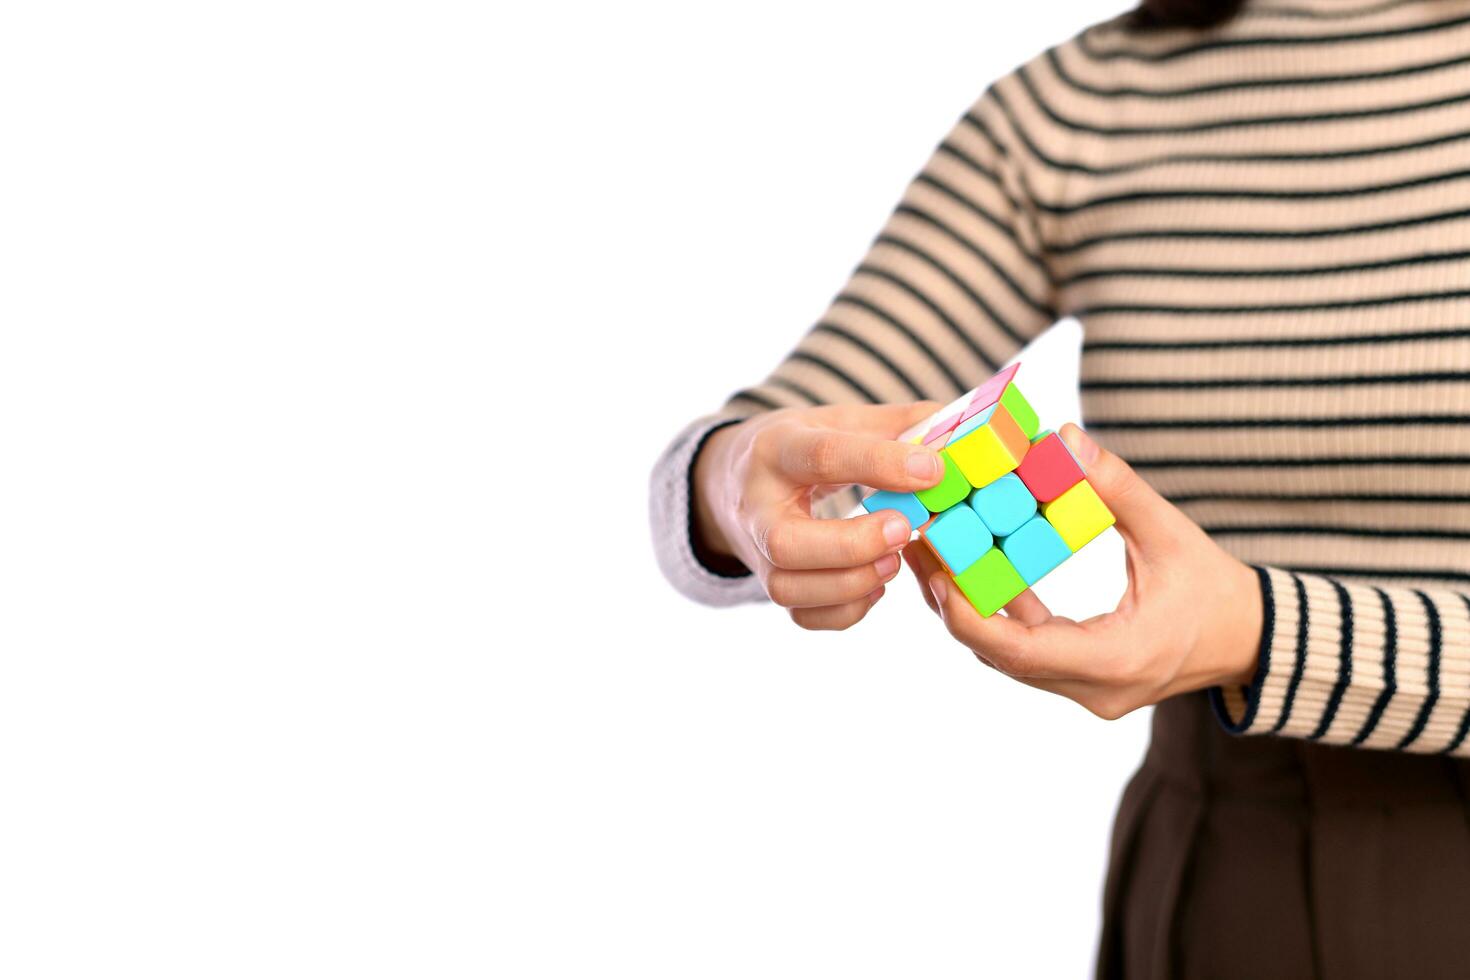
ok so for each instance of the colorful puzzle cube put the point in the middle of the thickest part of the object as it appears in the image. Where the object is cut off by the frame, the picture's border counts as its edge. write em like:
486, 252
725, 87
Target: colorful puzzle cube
1014, 503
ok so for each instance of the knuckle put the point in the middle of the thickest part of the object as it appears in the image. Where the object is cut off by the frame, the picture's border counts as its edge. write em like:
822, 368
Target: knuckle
826, 619
780, 543
847, 548
857, 545
809, 619
873, 541
850, 584
1108, 707
824, 456
1016, 663
1132, 672
1124, 485
890, 462
1125, 669
766, 443
781, 588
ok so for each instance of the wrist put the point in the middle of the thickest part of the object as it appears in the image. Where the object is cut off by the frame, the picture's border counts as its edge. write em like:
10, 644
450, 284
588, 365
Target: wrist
1240, 654
709, 540
1226, 647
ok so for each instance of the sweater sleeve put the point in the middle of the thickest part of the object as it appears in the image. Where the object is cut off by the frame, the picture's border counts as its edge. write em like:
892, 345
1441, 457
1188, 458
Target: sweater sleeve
951, 288
1354, 664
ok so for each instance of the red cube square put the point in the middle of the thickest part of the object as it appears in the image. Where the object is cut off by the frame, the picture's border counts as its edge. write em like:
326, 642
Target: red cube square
1049, 469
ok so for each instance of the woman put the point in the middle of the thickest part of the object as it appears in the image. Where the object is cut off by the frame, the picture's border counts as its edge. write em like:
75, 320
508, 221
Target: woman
1261, 217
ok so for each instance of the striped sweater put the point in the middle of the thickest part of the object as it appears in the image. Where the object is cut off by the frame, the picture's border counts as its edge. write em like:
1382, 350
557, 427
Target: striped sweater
1264, 230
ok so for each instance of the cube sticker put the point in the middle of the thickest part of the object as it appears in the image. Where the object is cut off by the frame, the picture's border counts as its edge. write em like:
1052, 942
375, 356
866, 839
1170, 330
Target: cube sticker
949, 491
1004, 505
906, 504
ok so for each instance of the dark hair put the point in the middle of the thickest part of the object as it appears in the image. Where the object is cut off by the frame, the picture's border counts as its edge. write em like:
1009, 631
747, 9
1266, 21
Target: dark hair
1185, 13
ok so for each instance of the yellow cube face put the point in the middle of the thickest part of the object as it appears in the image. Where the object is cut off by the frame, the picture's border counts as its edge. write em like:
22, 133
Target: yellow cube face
983, 456
1079, 515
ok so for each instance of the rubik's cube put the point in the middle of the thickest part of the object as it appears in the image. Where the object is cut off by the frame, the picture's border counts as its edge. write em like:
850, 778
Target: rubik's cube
1014, 503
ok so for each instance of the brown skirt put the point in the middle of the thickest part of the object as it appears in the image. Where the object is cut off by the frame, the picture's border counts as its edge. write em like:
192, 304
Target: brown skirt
1263, 857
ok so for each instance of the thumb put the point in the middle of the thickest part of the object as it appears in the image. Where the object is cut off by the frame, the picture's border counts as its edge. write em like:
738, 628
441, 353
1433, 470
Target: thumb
1142, 513
883, 421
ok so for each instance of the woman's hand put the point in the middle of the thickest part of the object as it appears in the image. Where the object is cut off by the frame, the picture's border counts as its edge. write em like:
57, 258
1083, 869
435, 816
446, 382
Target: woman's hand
1190, 619
754, 483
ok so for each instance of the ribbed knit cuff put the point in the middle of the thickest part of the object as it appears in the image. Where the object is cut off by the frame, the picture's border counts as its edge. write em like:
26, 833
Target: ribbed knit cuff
1238, 707
1349, 664
669, 505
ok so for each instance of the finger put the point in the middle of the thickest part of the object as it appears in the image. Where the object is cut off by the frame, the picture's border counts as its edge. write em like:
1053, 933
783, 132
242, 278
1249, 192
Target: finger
806, 590
884, 421
1141, 512
836, 617
800, 542
985, 635
1054, 649
1028, 608
812, 456
921, 562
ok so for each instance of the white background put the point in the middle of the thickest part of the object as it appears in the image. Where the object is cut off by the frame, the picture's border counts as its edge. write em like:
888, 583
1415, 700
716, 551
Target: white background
336, 343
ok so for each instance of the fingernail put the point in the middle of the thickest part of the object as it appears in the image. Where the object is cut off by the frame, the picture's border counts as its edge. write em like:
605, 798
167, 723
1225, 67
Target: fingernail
939, 585
896, 531
1082, 446
925, 466
875, 595
886, 567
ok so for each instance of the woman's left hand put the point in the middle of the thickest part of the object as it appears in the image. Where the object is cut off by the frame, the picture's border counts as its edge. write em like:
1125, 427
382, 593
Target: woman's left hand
1190, 619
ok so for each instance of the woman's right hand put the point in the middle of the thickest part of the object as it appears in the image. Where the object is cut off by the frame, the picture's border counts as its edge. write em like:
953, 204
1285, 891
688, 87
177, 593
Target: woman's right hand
754, 484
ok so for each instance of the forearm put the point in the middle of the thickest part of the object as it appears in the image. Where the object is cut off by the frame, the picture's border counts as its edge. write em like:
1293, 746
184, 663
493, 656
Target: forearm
952, 287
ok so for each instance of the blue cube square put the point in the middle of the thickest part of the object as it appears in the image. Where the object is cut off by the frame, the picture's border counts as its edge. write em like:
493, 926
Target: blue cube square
905, 503
1035, 548
1004, 505
958, 537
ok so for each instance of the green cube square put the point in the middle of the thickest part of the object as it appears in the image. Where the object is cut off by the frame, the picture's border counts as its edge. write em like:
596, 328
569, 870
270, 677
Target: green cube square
949, 491
1020, 410
991, 582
